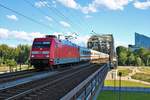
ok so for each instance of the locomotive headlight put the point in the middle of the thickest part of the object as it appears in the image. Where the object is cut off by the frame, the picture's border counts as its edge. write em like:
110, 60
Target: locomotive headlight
32, 55
51, 59
47, 56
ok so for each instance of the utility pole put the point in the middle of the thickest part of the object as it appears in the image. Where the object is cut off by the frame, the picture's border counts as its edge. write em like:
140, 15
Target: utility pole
120, 74
1, 55
114, 76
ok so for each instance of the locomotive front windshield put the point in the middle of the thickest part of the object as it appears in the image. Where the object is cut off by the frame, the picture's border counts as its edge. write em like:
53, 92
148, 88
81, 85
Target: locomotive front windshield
41, 44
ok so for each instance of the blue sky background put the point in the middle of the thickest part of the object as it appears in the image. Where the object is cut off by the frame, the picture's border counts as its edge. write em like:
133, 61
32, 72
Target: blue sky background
121, 18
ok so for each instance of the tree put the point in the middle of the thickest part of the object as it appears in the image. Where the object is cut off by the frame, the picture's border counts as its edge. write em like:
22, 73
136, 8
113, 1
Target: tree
11, 64
142, 52
131, 59
147, 57
138, 61
122, 53
22, 53
1, 61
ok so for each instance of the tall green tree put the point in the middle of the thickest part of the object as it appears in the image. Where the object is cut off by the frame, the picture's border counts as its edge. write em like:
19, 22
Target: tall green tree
122, 53
138, 61
142, 54
20, 54
11, 64
131, 59
23, 53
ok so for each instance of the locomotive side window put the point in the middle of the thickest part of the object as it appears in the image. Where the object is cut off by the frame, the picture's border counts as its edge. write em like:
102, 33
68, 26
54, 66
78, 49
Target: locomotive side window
41, 44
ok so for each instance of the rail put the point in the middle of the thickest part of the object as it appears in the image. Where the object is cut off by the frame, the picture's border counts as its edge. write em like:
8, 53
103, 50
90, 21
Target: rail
17, 96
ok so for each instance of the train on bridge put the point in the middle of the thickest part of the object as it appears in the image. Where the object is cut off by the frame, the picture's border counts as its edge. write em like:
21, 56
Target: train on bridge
51, 52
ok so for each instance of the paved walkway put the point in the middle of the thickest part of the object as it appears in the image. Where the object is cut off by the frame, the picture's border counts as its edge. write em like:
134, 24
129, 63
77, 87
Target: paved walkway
128, 77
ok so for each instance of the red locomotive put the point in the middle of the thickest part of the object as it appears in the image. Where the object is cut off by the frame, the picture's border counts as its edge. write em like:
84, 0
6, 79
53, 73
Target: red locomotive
50, 51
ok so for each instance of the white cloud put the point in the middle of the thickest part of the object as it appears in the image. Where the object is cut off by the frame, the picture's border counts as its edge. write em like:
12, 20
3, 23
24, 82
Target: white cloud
65, 24
95, 5
69, 3
6, 34
53, 4
12, 17
3, 33
59, 34
142, 5
109, 4
88, 9
19, 35
120, 43
88, 16
81, 41
48, 18
41, 4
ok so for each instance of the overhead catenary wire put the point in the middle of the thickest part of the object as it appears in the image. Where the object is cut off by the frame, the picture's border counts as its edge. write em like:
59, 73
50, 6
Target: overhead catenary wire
44, 13
59, 13
80, 19
28, 18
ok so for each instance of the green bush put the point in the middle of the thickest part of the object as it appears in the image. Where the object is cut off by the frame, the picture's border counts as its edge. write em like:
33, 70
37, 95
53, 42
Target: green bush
11, 63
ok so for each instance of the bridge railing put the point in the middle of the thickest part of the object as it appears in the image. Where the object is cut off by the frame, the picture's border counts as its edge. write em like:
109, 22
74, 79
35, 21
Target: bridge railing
87, 89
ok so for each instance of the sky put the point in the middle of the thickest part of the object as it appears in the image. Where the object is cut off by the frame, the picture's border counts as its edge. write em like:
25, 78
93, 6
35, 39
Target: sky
23, 20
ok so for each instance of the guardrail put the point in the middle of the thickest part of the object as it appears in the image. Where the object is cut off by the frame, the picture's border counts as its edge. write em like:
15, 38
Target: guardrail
87, 89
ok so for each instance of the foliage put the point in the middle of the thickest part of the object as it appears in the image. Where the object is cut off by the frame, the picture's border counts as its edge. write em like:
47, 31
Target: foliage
11, 63
1, 61
138, 61
122, 53
133, 58
11, 56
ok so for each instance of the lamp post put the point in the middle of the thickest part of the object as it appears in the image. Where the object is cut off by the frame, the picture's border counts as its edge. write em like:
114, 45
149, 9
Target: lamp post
1, 55
120, 74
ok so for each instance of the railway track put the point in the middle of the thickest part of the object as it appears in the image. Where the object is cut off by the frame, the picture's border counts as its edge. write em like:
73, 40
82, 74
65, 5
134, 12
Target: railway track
16, 75
8, 77
50, 88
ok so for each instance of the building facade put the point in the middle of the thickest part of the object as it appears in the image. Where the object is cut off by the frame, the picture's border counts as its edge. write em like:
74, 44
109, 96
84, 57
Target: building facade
141, 41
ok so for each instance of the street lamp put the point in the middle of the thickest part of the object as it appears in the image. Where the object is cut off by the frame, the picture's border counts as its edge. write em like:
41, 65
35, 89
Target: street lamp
120, 74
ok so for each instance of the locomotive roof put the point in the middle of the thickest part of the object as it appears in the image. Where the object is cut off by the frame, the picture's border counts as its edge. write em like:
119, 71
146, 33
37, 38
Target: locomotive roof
67, 42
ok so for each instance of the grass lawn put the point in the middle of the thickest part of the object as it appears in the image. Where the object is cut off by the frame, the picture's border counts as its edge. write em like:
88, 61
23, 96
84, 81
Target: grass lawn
145, 69
110, 95
124, 71
142, 76
125, 83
